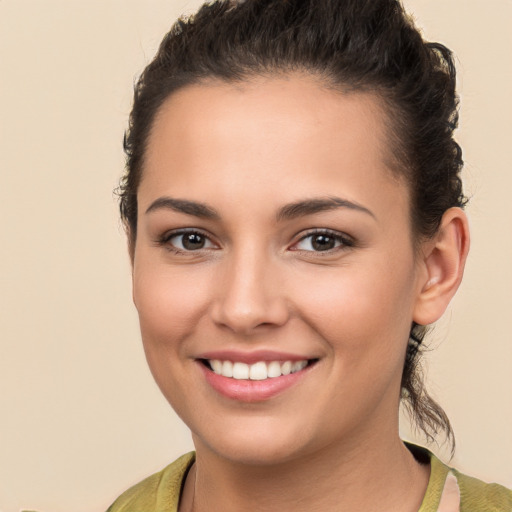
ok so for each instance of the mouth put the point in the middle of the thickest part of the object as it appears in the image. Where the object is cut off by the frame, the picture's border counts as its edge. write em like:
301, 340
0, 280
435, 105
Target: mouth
258, 371
256, 376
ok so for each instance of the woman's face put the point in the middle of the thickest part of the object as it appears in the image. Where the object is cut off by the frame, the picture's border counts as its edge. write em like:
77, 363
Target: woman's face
271, 232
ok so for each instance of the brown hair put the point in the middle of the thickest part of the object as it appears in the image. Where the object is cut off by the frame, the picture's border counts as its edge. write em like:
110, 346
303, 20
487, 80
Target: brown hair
352, 45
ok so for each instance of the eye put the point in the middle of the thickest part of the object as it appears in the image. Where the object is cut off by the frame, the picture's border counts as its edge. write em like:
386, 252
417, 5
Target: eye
187, 241
322, 241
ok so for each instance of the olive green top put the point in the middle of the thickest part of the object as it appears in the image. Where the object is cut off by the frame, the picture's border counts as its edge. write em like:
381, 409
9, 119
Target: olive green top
161, 491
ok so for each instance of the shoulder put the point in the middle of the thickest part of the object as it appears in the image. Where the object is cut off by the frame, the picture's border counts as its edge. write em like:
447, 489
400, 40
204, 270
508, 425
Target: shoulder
158, 492
451, 491
481, 496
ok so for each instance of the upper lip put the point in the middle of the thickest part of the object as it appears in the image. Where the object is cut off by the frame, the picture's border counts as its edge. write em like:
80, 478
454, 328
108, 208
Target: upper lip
253, 357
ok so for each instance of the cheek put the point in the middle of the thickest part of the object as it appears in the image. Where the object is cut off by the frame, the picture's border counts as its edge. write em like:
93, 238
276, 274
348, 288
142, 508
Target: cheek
170, 302
364, 312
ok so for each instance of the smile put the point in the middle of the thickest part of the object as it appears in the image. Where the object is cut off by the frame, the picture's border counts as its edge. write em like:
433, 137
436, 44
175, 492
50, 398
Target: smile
260, 370
257, 379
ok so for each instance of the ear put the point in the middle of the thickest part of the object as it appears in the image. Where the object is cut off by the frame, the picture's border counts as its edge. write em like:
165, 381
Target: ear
443, 258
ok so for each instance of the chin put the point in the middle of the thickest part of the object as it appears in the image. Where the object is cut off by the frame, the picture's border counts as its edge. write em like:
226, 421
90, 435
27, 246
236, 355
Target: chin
257, 445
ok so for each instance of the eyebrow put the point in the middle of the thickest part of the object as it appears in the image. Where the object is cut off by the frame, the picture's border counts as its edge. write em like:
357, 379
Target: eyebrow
318, 205
194, 208
287, 212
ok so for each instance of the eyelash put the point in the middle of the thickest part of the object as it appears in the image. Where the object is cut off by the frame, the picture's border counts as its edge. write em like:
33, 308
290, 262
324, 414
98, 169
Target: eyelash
343, 240
166, 238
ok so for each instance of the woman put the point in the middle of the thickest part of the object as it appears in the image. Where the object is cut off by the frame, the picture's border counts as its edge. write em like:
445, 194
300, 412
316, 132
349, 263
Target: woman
294, 214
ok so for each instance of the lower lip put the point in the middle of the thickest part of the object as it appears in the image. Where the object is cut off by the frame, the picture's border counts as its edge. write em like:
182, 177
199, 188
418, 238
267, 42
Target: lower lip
251, 390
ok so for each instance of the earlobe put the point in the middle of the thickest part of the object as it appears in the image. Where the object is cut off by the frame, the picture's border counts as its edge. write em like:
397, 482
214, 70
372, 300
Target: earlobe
443, 260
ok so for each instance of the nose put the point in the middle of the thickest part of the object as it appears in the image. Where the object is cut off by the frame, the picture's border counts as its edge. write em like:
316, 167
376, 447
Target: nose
250, 294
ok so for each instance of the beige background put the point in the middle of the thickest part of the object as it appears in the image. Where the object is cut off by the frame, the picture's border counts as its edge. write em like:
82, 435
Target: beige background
80, 417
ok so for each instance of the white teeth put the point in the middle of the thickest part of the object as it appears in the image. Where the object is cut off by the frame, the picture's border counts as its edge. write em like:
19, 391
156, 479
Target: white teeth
298, 366
240, 371
286, 368
216, 366
227, 369
257, 371
274, 369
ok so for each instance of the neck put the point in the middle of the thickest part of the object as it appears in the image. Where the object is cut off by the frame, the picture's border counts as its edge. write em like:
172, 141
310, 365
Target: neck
369, 476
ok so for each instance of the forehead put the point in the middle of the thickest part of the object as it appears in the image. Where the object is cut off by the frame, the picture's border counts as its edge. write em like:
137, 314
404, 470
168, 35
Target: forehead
282, 135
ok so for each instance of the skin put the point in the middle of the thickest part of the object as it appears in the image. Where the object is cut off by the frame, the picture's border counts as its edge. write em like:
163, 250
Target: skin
247, 151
